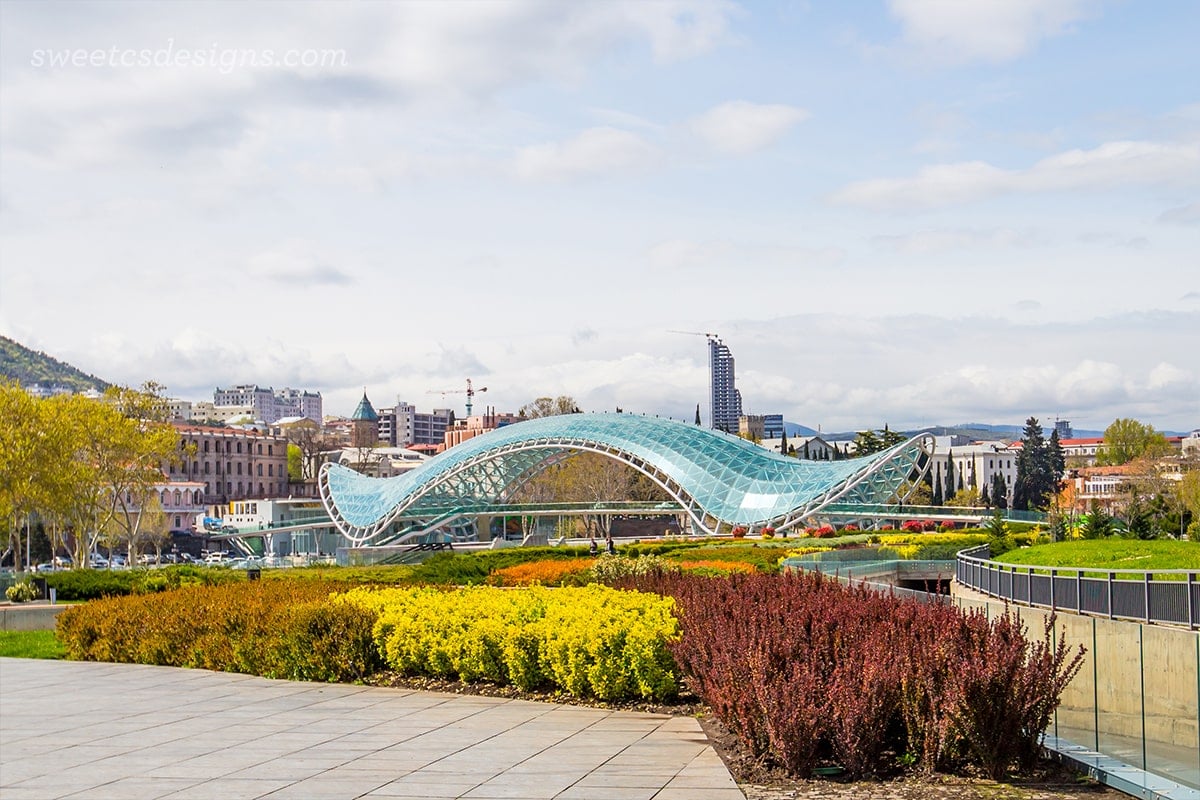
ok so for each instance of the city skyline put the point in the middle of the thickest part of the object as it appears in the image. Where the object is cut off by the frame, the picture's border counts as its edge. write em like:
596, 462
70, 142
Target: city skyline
911, 213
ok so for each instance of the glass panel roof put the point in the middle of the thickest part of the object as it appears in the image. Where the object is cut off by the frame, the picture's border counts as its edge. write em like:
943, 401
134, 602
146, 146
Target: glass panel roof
708, 472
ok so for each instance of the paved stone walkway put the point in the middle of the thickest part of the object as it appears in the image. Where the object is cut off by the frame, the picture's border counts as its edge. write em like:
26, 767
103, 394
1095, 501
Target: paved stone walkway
127, 732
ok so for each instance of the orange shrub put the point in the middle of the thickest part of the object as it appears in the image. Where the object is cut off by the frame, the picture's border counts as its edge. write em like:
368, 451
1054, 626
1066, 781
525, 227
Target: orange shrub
545, 573
278, 629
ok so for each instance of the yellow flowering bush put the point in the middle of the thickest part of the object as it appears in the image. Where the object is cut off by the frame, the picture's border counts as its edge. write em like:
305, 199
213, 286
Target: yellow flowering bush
588, 641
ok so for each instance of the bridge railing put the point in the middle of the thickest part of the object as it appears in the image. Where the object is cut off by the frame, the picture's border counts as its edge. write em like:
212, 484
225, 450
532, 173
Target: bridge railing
1170, 596
928, 512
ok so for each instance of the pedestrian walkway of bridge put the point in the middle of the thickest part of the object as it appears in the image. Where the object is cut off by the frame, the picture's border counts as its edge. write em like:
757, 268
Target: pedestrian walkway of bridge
92, 730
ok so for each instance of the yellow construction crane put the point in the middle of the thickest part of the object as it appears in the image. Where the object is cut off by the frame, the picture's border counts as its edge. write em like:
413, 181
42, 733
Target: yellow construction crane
469, 392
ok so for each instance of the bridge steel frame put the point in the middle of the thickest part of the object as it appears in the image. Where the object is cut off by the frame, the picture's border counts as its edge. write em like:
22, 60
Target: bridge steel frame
715, 478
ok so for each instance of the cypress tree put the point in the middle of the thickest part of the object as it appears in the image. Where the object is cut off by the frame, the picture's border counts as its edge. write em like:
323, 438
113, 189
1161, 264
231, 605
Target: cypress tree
949, 474
999, 491
937, 485
697, 413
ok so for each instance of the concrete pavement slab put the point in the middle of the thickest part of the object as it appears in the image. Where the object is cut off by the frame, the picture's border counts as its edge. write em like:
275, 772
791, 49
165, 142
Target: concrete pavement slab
87, 730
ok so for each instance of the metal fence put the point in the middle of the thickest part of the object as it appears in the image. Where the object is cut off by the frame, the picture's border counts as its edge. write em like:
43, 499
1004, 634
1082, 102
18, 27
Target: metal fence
1169, 596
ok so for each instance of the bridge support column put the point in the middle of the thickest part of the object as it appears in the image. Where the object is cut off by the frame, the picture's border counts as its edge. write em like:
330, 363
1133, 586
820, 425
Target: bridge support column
483, 527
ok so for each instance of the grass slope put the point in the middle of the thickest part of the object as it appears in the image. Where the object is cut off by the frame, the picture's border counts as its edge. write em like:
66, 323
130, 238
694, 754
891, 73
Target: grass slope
1109, 554
27, 366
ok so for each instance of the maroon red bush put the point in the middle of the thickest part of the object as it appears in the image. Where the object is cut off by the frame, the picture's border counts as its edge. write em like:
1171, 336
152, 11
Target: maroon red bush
807, 671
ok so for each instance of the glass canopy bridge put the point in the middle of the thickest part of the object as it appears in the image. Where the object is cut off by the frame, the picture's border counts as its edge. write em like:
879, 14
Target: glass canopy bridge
716, 480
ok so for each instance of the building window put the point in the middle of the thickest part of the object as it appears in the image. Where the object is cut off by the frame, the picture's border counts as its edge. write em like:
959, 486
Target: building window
206, 443
260, 470
270, 470
270, 448
260, 448
239, 467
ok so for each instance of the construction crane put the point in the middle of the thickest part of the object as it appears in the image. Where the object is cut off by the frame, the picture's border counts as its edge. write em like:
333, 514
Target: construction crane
697, 333
469, 392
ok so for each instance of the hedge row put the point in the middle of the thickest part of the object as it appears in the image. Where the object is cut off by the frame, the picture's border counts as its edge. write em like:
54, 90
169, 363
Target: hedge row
276, 629
90, 584
806, 671
589, 642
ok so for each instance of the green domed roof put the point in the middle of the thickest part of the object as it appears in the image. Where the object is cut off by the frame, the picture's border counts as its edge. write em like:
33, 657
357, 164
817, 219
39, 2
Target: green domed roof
365, 411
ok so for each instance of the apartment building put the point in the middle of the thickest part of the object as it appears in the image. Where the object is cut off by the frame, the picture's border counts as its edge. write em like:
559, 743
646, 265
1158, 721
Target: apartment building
231, 464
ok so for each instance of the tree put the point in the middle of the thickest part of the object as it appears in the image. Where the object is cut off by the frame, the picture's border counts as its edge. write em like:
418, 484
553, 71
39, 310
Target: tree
697, 413
967, 497
295, 463
997, 532
1127, 439
1098, 523
313, 443
937, 498
999, 491
549, 407
1058, 459
949, 492
1187, 494
1037, 479
155, 527
783, 444
869, 441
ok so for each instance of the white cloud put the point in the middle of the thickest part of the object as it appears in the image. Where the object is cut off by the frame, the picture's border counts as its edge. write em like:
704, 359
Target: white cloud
414, 55
297, 264
983, 30
739, 127
595, 151
1164, 375
676, 255
937, 241
1110, 165
1182, 215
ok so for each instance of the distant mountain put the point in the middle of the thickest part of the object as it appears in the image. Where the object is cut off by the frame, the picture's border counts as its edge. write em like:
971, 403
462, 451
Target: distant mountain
28, 367
796, 429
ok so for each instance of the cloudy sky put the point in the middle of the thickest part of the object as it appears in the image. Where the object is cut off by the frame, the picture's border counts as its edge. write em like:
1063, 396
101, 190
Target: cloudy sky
908, 212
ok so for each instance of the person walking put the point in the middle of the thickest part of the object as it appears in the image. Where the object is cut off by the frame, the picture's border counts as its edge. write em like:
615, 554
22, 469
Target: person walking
609, 546
592, 548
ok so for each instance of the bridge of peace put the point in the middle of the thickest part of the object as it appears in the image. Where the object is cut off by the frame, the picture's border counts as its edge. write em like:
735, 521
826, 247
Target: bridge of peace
715, 481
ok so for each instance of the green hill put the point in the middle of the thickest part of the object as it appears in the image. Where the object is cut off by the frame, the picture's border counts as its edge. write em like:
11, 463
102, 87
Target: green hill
27, 367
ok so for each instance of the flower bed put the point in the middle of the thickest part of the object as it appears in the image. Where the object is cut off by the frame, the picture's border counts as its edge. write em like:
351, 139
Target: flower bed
589, 642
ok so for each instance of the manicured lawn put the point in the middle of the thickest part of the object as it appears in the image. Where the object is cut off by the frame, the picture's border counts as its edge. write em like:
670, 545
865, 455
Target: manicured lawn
1109, 554
31, 644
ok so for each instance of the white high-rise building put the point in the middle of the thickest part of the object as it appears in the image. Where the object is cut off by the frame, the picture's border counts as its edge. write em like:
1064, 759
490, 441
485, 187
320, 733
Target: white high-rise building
726, 400
267, 405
